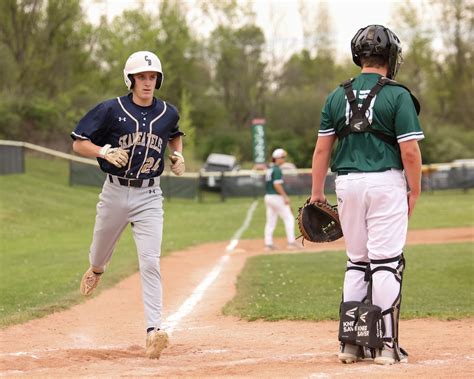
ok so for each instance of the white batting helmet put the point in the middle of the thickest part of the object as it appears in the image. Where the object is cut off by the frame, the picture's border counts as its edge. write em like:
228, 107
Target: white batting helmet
279, 153
142, 61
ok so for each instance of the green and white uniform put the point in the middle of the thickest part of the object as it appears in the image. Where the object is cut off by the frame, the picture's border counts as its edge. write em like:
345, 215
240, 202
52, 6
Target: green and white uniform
392, 111
371, 187
276, 207
273, 175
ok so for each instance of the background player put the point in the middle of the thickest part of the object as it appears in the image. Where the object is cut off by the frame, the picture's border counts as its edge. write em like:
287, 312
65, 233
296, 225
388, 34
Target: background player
372, 198
128, 135
277, 202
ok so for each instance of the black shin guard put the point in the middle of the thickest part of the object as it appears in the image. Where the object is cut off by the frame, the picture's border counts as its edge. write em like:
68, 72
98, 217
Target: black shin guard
394, 310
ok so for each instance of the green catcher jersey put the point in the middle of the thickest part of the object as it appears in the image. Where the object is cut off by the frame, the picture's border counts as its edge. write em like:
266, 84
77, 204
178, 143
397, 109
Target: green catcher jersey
273, 175
391, 111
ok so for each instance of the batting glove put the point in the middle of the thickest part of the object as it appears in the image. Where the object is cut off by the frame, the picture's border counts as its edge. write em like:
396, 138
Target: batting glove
177, 163
115, 155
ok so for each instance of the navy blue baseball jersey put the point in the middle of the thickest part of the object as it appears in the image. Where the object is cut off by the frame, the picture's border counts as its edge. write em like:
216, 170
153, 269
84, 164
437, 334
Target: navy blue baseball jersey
143, 131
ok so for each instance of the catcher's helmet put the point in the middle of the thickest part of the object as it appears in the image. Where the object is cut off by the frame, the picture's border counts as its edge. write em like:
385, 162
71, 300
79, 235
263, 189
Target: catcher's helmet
377, 40
142, 61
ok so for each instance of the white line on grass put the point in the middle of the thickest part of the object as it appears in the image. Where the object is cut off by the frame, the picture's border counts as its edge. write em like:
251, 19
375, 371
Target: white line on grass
235, 238
173, 320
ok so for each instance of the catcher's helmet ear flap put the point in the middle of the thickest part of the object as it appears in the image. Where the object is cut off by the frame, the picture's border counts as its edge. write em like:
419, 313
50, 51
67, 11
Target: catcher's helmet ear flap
142, 61
381, 41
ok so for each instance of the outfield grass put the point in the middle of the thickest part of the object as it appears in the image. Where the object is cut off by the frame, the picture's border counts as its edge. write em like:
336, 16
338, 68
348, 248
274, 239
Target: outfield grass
47, 228
438, 282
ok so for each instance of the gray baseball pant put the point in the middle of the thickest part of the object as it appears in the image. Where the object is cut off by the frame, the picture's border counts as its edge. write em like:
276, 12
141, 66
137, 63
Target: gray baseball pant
143, 208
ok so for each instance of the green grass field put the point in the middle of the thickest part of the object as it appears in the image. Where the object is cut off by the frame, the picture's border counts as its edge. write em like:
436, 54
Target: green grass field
438, 282
47, 228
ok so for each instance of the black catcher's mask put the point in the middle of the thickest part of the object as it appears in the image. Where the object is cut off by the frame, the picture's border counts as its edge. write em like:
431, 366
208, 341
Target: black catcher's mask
377, 40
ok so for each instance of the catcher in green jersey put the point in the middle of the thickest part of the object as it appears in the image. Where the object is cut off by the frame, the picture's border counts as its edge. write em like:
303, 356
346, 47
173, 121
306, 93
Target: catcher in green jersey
375, 121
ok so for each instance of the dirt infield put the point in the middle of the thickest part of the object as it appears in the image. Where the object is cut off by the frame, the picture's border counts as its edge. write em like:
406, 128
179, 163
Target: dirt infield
104, 337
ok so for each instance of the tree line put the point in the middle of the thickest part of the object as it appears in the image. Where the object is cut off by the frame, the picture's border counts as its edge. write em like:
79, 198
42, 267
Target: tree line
55, 65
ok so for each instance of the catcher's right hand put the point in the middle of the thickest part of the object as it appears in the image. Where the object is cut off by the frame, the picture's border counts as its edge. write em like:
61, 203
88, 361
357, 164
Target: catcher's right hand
319, 222
115, 155
177, 163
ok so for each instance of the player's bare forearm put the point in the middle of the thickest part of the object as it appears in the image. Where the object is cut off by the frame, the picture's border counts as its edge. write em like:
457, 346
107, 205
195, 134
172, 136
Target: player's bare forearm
176, 144
320, 164
86, 148
411, 158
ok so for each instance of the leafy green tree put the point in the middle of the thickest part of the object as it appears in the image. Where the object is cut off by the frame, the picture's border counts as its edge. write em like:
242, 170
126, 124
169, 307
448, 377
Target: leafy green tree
456, 27
186, 124
55, 66
240, 76
44, 46
439, 78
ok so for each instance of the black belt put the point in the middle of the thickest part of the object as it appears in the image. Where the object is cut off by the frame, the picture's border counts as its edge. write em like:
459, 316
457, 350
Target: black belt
132, 182
339, 173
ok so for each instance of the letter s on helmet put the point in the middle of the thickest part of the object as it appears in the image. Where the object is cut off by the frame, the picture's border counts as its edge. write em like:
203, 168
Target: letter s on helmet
142, 61
378, 40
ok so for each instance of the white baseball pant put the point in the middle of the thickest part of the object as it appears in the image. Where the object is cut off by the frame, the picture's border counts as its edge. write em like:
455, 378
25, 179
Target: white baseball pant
373, 210
276, 207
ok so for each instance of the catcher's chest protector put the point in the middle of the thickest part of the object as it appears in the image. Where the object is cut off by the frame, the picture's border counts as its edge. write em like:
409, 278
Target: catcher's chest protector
358, 122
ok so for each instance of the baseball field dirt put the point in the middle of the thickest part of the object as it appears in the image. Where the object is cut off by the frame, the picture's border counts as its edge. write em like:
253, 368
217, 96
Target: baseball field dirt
104, 337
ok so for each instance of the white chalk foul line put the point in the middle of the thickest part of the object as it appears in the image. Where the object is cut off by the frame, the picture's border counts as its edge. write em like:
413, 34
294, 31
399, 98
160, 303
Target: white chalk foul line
173, 320
248, 218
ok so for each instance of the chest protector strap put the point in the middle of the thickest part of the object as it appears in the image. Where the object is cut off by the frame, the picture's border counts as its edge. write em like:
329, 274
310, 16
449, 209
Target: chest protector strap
358, 122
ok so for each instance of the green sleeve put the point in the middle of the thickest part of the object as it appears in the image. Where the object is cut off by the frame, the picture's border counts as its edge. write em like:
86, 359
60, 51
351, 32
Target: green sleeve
326, 126
407, 125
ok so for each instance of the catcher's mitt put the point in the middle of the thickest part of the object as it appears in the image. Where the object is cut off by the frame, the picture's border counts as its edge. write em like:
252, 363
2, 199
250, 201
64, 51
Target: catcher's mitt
319, 222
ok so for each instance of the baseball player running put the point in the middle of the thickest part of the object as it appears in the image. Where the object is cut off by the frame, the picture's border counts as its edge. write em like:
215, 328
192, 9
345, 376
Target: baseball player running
128, 135
376, 122
277, 202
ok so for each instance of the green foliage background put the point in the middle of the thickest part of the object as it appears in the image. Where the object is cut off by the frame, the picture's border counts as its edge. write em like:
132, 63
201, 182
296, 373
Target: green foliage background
55, 66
